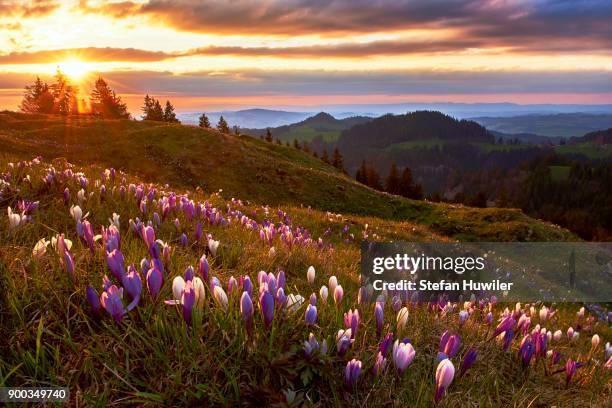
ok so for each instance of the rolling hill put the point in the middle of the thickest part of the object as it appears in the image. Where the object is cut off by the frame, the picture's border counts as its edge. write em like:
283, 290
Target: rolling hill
188, 157
322, 126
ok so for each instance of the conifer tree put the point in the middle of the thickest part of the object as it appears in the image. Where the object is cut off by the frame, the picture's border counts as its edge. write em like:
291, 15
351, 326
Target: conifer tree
268, 135
37, 98
222, 126
392, 183
325, 156
169, 114
203, 121
296, 144
104, 102
337, 160
63, 94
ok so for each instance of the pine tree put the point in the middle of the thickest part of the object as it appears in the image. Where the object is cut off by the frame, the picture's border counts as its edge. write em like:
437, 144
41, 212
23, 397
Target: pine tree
147, 107
203, 121
157, 113
325, 156
361, 175
37, 98
104, 102
408, 188
236, 130
296, 144
169, 115
373, 178
63, 94
392, 183
222, 126
268, 135
337, 160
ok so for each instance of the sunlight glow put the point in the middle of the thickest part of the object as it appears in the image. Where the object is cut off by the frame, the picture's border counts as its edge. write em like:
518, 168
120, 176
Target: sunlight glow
74, 69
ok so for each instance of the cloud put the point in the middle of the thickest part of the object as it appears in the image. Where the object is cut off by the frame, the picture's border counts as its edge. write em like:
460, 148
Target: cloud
28, 9
555, 25
88, 54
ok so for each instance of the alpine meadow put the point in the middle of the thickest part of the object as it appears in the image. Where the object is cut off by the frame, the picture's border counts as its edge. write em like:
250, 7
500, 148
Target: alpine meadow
190, 192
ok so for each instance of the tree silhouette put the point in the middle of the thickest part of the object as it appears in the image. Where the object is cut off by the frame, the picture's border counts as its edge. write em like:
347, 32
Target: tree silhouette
337, 160
64, 95
325, 156
222, 126
105, 103
268, 135
37, 98
203, 121
169, 115
392, 183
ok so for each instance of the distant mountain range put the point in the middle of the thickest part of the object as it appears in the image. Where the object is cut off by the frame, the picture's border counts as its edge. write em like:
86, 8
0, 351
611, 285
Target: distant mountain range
557, 125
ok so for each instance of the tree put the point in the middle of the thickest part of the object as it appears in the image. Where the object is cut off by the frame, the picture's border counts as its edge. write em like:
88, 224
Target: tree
373, 178
392, 183
169, 115
325, 156
408, 188
337, 160
104, 102
64, 94
222, 126
362, 171
268, 135
37, 98
147, 107
203, 121
157, 113
236, 130
296, 144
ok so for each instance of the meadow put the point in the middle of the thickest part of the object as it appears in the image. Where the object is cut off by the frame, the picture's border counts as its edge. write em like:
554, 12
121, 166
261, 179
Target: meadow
149, 288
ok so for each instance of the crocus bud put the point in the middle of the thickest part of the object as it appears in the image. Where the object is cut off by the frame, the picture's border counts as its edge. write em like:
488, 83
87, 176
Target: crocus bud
94, 301
379, 365
310, 275
352, 372
343, 340
114, 260
188, 300
338, 294
200, 292
595, 340
154, 281
220, 296
557, 335
203, 268
178, 285
402, 318
323, 292
444, 377
112, 303
333, 282
570, 333
311, 315
463, 316
266, 304
468, 361
379, 315
246, 310
69, 263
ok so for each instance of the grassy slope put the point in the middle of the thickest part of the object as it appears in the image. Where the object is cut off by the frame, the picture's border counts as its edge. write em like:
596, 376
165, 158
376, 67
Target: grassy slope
151, 357
187, 157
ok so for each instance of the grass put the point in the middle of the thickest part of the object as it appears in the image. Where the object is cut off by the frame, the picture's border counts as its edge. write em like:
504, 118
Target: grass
591, 151
559, 173
153, 358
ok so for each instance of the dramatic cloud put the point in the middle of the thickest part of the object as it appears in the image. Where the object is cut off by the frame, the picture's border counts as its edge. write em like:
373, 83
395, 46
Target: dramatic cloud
92, 53
558, 25
32, 8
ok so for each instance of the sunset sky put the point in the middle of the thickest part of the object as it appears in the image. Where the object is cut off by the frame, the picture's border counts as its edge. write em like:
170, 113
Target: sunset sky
240, 53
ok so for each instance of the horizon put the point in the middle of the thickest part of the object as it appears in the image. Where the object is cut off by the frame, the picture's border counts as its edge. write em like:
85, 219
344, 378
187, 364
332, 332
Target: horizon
211, 56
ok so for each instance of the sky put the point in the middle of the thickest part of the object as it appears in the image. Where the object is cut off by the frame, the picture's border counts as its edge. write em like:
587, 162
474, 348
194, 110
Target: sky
230, 54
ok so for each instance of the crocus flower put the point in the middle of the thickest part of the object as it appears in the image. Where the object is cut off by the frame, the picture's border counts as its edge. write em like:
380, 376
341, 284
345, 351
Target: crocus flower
402, 318
184, 240
526, 350
570, 333
557, 335
311, 345
468, 361
94, 301
178, 285
311, 315
148, 235
379, 315
69, 263
323, 293
246, 310
114, 260
247, 285
133, 286
88, 235
76, 213
213, 246
15, 220
333, 282
220, 296
343, 341
380, 364
595, 340
338, 294
266, 305
444, 377
403, 354
200, 292
232, 284
188, 300
449, 344
313, 299
506, 324
310, 275
463, 316
385, 344
352, 372
570, 369
351, 321
112, 303
203, 268
154, 281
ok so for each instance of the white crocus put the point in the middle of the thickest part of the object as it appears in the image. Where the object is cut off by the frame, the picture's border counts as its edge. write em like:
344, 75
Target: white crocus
220, 297
213, 246
40, 248
310, 275
323, 292
402, 318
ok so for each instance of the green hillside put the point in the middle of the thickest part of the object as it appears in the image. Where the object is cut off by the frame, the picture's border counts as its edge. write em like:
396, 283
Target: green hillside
189, 157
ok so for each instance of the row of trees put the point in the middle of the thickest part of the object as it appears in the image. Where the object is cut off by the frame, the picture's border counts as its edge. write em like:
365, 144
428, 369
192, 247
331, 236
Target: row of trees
152, 110
395, 183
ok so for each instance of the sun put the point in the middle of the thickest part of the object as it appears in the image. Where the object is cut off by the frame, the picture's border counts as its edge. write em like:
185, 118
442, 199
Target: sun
74, 69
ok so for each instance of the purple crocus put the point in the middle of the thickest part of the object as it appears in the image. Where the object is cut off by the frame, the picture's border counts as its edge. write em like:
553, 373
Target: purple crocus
154, 281
505, 325
203, 268
449, 344
403, 354
133, 286
444, 377
88, 235
189, 273
188, 300
351, 321
379, 315
247, 285
112, 303
148, 235
311, 315
114, 260
69, 263
184, 241
266, 304
526, 350
570, 369
94, 301
380, 364
352, 372
468, 361
246, 310
385, 344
